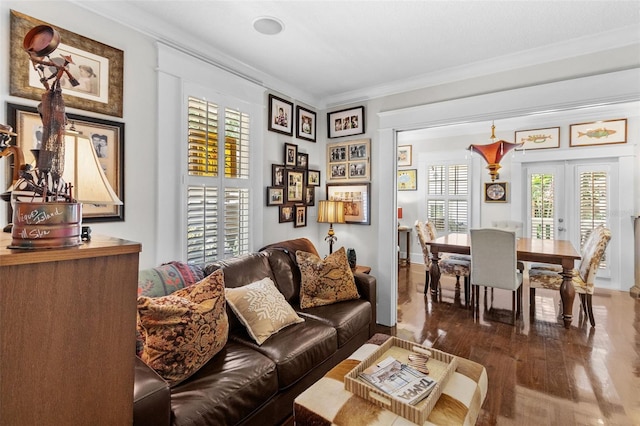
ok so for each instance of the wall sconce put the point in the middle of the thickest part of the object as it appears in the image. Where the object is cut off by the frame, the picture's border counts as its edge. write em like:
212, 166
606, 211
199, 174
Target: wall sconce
330, 212
493, 152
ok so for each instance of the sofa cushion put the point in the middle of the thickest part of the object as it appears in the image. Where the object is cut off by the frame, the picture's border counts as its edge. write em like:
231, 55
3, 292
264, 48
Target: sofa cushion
261, 308
282, 259
325, 281
223, 392
296, 350
184, 330
167, 278
349, 318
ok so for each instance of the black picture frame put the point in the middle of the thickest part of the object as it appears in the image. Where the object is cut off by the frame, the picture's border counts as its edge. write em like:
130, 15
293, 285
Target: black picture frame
280, 115
20, 117
290, 155
300, 219
277, 175
295, 186
285, 213
353, 116
310, 195
302, 160
495, 192
305, 124
275, 195
356, 198
313, 177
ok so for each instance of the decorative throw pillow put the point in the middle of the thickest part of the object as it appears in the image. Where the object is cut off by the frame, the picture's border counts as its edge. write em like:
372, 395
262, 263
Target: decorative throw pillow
325, 281
184, 330
261, 308
167, 278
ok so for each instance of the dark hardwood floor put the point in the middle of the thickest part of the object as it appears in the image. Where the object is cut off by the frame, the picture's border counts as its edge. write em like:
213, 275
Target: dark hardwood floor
539, 372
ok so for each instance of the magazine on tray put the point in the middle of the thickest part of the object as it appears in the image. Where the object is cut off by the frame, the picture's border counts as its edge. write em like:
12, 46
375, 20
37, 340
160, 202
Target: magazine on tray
399, 380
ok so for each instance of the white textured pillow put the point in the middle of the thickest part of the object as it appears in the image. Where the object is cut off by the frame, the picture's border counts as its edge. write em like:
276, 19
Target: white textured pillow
261, 308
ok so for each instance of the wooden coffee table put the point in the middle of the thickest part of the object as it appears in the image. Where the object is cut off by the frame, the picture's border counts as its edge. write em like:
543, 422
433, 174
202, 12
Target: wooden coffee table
327, 401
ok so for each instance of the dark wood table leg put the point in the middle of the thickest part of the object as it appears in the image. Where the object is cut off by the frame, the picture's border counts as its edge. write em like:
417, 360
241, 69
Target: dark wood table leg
434, 272
567, 292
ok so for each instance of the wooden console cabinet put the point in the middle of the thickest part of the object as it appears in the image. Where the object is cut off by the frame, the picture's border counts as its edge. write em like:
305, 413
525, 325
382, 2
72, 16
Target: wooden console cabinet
67, 319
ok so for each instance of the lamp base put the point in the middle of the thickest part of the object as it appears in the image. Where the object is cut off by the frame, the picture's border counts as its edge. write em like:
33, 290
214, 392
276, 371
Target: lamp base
46, 225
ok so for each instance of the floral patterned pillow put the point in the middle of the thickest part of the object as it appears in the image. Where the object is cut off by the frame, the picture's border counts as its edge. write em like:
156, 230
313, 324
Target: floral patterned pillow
184, 330
325, 281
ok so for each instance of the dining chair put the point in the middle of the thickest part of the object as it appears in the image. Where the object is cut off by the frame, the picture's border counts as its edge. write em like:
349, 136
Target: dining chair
448, 265
584, 276
494, 265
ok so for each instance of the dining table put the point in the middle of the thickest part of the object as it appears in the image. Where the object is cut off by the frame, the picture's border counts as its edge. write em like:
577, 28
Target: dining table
559, 252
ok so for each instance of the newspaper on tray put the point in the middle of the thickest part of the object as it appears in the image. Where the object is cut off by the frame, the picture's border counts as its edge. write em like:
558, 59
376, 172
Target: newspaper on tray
399, 380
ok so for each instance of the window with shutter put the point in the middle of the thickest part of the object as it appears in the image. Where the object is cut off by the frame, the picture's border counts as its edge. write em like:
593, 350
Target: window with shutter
217, 205
448, 197
593, 204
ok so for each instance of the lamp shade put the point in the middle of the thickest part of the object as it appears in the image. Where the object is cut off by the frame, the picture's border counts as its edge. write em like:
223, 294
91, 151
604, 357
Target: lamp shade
83, 170
494, 152
330, 211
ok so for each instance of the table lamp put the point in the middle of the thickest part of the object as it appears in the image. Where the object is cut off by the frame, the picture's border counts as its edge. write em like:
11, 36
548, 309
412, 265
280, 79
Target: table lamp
331, 212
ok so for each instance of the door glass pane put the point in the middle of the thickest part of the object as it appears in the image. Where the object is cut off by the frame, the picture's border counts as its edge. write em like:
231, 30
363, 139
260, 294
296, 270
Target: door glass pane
593, 204
542, 208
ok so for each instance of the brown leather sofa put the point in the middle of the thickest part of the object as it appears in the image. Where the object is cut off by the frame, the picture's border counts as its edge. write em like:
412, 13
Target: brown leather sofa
247, 384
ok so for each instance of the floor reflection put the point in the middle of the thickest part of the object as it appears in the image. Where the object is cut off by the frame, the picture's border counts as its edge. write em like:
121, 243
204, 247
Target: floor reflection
539, 372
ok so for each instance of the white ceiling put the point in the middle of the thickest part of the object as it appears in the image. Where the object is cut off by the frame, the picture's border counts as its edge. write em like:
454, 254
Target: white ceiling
331, 51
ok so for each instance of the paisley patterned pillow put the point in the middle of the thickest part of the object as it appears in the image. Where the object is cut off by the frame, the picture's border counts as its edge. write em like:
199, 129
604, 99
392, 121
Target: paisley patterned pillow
325, 281
184, 330
261, 308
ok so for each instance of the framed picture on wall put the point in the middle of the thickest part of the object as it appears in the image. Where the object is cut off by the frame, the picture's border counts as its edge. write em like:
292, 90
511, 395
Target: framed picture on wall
285, 214
407, 180
495, 192
295, 186
305, 124
275, 196
538, 138
98, 68
313, 177
300, 219
349, 161
277, 174
404, 155
280, 115
290, 154
598, 133
108, 142
347, 122
357, 205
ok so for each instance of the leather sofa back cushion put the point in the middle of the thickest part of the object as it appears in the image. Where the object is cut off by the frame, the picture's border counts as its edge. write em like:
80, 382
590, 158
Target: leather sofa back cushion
261, 308
242, 270
325, 281
184, 330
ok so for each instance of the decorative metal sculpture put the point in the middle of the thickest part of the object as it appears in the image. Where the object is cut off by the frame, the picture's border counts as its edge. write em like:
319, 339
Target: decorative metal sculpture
39, 43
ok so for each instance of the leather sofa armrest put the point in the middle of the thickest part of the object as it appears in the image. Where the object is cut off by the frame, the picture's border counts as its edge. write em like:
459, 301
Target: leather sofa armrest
367, 288
151, 397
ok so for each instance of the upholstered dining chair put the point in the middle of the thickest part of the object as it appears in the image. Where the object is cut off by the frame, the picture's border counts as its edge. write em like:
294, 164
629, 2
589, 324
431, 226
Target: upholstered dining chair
584, 276
494, 264
448, 265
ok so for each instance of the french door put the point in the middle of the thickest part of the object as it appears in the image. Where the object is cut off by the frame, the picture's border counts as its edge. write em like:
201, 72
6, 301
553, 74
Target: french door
566, 200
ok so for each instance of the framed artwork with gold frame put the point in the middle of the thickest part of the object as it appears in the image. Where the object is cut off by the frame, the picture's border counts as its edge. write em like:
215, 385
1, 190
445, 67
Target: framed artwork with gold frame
100, 90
